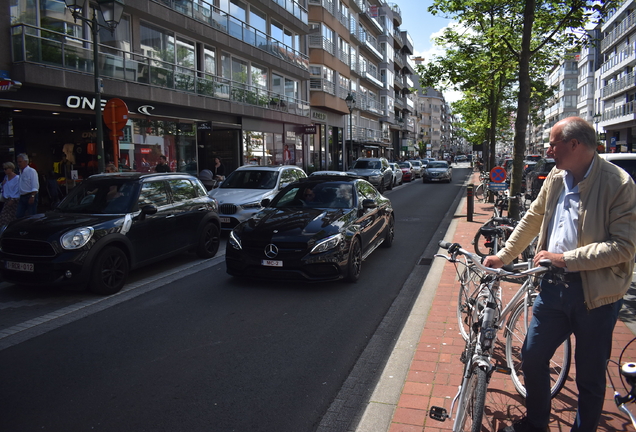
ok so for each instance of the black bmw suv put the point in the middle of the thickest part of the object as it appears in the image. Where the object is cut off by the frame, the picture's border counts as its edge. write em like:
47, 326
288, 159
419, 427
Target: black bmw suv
107, 225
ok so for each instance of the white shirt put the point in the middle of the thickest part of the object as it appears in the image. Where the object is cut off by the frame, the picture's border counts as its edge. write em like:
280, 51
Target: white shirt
29, 182
11, 188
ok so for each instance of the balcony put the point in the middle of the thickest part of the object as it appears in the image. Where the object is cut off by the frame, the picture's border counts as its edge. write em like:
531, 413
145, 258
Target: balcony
226, 23
370, 43
321, 42
622, 84
397, 13
320, 84
77, 55
398, 37
614, 36
627, 54
344, 56
623, 110
398, 81
398, 59
201, 10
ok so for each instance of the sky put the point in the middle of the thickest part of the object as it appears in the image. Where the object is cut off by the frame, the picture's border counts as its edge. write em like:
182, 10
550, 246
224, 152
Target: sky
423, 26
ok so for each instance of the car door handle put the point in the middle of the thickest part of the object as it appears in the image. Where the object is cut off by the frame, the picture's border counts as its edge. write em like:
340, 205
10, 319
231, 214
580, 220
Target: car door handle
170, 216
202, 208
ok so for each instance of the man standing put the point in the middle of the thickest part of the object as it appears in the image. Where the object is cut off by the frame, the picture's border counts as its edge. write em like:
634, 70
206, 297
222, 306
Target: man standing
29, 186
585, 216
162, 165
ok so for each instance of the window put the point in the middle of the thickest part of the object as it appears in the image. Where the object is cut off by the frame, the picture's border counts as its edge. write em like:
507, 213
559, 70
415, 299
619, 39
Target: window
153, 193
259, 76
258, 19
157, 44
185, 53
209, 62
182, 190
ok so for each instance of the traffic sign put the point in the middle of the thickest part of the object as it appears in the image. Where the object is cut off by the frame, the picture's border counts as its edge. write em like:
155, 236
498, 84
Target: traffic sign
497, 186
498, 174
115, 114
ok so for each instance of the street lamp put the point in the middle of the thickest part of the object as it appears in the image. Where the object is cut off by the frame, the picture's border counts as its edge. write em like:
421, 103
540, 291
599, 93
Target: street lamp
111, 11
351, 102
597, 119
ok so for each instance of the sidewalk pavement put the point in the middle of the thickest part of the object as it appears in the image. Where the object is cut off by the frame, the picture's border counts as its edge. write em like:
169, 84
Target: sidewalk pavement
424, 369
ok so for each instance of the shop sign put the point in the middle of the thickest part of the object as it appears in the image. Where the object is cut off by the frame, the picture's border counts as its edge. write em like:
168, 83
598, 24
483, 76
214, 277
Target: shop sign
318, 116
290, 135
82, 102
309, 129
6, 83
204, 126
144, 150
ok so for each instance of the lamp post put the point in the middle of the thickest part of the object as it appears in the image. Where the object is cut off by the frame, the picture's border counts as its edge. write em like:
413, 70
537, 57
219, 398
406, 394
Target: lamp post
351, 102
597, 119
111, 11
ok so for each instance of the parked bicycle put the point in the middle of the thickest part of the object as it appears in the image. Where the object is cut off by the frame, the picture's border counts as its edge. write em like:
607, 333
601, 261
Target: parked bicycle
481, 314
627, 374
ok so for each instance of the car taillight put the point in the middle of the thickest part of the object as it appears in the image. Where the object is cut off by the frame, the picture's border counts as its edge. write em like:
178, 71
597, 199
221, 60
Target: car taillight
541, 177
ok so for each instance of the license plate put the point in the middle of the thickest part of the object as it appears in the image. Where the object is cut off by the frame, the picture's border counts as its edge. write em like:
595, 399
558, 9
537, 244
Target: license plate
272, 263
18, 266
225, 220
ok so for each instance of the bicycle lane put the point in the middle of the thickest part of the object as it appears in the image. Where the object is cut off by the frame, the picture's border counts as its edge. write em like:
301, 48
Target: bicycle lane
435, 369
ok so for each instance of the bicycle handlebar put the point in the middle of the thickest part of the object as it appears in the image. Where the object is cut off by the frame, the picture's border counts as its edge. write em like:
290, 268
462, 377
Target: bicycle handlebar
510, 270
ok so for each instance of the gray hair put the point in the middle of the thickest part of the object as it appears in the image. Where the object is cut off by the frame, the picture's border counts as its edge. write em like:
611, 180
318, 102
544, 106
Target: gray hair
9, 165
580, 130
23, 156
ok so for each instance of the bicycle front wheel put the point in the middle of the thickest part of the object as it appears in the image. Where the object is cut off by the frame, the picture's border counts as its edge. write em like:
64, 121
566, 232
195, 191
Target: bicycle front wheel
469, 286
516, 333
478, 192
471, 410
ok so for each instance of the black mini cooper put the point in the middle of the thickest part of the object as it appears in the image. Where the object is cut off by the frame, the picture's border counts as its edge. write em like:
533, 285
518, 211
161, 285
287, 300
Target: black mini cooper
107, 225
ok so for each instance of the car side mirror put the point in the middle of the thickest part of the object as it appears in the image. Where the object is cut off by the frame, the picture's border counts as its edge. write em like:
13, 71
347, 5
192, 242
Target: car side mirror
368, 204
148, 209
265, 202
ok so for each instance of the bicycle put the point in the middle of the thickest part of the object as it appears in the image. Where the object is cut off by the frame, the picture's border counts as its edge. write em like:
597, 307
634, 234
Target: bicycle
481, 316
627, 372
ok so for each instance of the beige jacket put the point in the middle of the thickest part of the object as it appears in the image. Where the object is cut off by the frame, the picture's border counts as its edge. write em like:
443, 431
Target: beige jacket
606, 230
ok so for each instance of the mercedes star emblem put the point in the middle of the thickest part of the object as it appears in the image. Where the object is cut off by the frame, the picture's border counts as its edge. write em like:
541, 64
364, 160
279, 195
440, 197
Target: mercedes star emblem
271, 251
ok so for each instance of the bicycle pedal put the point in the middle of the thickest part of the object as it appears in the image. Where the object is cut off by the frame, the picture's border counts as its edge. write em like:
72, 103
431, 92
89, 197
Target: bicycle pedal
503, 369
438, 413
462, 358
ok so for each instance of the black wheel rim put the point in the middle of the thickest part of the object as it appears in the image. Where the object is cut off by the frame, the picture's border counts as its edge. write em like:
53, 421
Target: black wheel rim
211, 240
113, 271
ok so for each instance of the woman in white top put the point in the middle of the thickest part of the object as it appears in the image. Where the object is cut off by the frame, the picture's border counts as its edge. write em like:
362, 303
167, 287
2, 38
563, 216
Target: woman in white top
10, 193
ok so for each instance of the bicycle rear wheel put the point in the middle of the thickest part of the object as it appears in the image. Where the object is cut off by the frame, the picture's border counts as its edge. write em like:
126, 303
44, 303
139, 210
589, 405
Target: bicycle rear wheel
471, 410
516, 333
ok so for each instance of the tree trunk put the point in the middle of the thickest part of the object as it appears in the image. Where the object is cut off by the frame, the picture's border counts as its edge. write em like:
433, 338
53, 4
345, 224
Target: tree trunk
523, 107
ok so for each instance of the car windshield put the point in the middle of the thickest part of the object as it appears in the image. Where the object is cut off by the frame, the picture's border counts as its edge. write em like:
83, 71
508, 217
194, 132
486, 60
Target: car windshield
317, 195
251, 179
438, 165
405, 165
365, 164
103, 196
416, 163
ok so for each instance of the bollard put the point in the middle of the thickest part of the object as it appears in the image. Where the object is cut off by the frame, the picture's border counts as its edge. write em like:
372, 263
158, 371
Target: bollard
470, 204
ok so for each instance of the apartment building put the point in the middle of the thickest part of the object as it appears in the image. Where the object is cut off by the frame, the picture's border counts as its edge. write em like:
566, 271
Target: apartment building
615, 79
564, 102
201, 79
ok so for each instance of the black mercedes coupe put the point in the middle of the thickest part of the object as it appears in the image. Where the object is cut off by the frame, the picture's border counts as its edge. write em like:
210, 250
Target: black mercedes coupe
319, 228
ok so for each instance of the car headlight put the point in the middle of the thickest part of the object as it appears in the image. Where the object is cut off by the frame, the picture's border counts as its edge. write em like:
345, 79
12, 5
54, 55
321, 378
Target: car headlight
235, 241
252, 205
327, 244
76, 238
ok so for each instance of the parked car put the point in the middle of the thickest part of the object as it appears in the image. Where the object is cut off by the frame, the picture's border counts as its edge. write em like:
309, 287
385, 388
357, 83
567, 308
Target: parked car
375, 170
407, 171
397, 173
627, 161
461, 158
241, 193
108, 225
533, 157
317, 229
417, 168
536, 177
527, 167
438, 171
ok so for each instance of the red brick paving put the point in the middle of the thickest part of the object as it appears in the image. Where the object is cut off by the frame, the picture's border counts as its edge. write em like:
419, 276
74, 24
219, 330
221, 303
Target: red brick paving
435, 371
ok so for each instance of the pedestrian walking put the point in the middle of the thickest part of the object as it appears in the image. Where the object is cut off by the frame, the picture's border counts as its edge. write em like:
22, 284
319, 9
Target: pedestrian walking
585, 216
29, 187
10, 193
162, 165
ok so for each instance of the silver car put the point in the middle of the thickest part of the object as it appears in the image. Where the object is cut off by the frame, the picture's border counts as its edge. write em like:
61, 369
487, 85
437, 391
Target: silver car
437, 171
397, 173
241, 193
417, 168
375, 170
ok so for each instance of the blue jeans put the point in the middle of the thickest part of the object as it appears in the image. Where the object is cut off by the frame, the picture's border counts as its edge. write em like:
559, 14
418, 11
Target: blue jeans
26, 209
557, 313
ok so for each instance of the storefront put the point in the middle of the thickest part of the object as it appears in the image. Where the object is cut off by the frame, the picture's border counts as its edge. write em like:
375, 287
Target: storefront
325, 146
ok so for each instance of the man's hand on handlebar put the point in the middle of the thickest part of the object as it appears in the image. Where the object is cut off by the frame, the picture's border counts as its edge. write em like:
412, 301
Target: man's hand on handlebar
493, 261
556, 258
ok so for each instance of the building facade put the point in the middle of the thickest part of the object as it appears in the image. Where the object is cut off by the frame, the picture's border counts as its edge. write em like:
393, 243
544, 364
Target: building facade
615, 79
200, 79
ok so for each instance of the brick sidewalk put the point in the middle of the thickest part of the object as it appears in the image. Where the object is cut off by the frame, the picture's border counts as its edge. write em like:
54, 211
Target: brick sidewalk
436, 370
